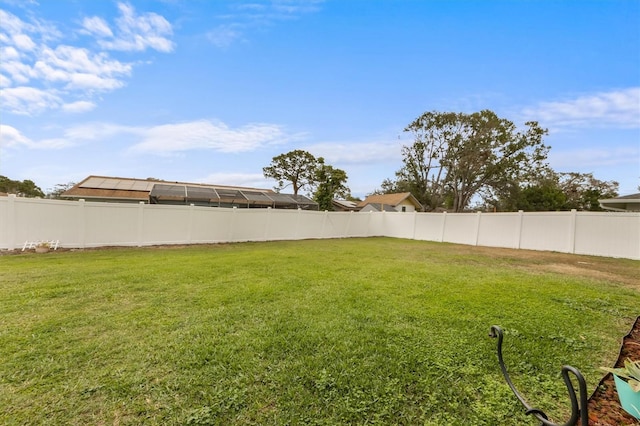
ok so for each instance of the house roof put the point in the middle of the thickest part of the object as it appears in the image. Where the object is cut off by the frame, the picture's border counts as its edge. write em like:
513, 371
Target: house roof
129, 189
155, 190
391, 199
374, 207
345, 204
625, 203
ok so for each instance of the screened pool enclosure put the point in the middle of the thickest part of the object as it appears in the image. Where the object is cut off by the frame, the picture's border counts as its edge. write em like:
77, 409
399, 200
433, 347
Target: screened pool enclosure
198, 195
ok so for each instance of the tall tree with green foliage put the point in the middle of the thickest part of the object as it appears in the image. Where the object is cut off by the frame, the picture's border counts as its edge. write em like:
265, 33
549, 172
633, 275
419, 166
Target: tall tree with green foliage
456, 156
330, 183
296, 168
25, 188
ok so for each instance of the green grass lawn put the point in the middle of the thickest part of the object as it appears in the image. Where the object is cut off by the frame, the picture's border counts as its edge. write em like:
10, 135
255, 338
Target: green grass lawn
352, 331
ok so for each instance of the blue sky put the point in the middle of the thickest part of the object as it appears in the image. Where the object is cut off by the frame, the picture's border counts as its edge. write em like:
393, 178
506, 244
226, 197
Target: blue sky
211, 91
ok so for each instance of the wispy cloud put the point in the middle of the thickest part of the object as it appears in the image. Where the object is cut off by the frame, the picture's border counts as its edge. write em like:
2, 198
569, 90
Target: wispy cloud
10, 137
165, 139
255, 180
244, 17
225, 35
618, 108
357, 152
38, 72
205, 134
28, 100
133, 32
79, 106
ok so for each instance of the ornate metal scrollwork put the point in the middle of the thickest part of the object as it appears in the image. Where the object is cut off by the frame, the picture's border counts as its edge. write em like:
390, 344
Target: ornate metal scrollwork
578, 407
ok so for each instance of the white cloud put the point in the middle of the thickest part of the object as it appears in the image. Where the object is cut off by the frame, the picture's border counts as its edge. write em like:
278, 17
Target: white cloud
171, 138
97, 26
81, 69
4, 81
10, 137
28, 100
17, 71
619, 108
9, 53
204, 134
11, 24
78, 107
134, 32
23, 42
46, 72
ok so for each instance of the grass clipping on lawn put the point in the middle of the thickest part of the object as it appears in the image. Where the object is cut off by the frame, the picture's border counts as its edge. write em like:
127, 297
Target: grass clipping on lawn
350, 331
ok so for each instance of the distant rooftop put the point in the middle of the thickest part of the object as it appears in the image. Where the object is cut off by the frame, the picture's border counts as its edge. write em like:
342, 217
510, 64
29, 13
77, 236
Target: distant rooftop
155, 191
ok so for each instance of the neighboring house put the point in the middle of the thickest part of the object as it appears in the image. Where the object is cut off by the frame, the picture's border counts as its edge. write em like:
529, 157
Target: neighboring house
153, 191
627, 203
344, 205
400, 202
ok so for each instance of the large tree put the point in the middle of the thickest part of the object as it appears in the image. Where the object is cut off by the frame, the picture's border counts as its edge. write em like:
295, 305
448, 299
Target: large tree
330, 182
456, 156
25, 188
296, 168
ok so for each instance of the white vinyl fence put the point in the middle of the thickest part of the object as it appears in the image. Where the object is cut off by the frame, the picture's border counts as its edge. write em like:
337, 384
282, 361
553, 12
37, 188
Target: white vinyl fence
80, 224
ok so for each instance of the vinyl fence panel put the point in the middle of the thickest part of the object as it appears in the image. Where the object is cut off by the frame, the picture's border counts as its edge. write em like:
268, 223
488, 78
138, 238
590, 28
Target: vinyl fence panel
79, 224
617, 236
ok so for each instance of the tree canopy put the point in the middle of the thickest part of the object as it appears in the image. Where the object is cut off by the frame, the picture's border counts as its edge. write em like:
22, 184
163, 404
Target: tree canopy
330, 182
456, 156
296, 168
301, 170
25, 188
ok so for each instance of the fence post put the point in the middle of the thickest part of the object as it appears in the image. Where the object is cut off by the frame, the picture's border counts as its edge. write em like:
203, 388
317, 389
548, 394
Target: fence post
190, 224
518, 241
478, 215
296, 235
233, 224
82, 223
444, 225
140, 222
415, 218
572, 231
11, 222
267, 224
324, 224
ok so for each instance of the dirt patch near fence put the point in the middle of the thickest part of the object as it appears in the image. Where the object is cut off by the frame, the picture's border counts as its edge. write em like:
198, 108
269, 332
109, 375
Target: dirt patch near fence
623, 272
